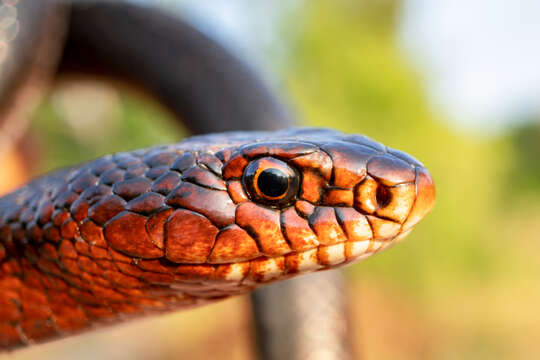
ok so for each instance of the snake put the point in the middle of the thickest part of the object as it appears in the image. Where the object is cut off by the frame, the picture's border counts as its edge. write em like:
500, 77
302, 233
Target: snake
177, 226
102, 243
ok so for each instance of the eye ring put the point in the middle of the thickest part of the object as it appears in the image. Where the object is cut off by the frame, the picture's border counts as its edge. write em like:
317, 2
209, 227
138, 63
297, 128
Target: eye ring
271, 181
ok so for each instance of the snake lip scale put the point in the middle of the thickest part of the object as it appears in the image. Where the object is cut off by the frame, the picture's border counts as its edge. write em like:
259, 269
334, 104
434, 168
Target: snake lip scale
176, 226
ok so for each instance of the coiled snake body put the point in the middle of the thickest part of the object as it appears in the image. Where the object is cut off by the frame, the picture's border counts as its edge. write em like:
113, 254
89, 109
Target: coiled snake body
177, 226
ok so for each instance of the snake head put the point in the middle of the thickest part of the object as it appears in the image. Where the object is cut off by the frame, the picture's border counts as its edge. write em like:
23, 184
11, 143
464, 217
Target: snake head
295, 201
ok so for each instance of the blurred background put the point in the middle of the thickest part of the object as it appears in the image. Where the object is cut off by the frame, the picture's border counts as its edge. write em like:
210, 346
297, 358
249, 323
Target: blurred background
453, 82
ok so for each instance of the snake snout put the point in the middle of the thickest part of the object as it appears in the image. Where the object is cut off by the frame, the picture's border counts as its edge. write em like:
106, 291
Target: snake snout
395, 189
425, 198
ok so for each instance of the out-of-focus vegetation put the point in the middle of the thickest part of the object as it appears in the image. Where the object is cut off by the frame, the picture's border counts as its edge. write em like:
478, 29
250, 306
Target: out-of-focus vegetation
465, 283
524, 172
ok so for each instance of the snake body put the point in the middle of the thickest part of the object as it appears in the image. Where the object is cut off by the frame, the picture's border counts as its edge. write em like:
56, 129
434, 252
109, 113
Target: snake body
177, 226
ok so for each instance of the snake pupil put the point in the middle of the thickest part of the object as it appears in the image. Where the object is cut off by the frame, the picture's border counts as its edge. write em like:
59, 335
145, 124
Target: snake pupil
273, 182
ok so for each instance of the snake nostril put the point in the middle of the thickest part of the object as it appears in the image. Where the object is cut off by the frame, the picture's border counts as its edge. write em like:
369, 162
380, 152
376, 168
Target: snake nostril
383, 196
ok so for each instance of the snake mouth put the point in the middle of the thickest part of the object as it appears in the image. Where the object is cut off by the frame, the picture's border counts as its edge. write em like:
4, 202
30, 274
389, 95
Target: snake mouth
266, 269
237, 278
210, 281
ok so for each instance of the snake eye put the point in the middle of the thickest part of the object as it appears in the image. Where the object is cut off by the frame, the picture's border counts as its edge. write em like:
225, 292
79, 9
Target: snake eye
271, 181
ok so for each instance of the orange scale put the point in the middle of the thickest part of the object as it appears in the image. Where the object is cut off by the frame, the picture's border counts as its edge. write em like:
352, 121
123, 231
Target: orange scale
297, 231
324, 222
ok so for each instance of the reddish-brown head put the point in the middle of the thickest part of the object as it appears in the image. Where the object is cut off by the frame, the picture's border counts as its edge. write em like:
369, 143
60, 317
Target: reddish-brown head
307, 199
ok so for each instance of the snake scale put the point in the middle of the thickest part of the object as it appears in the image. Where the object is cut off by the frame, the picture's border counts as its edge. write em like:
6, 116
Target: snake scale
178, 226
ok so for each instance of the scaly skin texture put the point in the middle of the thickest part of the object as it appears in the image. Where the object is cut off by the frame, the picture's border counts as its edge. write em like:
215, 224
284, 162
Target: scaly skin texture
177, 226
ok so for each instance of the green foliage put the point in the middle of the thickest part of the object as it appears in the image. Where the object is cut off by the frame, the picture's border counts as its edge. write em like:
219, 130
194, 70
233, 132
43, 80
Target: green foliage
524, 174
